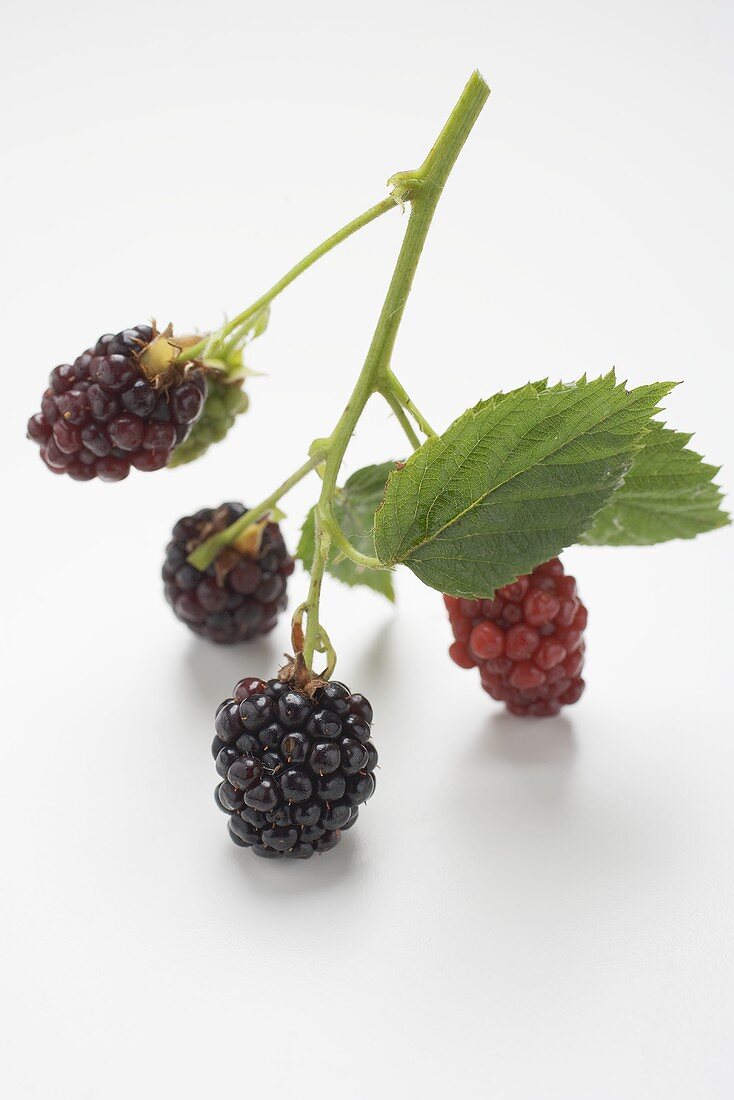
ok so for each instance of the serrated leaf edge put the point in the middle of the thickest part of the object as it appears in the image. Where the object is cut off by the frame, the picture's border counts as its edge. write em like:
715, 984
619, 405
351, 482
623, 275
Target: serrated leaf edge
533, 390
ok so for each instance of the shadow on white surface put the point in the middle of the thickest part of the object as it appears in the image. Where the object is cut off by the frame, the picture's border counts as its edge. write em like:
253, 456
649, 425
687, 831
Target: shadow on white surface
375, 665
529, 742
523, 786
213, 670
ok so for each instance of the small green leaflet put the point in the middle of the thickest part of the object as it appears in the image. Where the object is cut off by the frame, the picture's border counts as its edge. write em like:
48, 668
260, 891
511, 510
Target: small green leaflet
354, 507
511, 482
669, 493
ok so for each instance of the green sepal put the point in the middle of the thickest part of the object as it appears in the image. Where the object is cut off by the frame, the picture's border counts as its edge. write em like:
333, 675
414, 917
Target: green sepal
226, 398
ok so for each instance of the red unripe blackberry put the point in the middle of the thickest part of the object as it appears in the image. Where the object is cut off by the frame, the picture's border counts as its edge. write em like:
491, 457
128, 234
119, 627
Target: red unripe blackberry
122, 403
527, 641
242, 592
294, 771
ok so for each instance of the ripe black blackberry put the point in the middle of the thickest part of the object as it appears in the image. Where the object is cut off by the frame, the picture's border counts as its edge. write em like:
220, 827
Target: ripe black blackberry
122, 403
527, 641
295, 762
242, 592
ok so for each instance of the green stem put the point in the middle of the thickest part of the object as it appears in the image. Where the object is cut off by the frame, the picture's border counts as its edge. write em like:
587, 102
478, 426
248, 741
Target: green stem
402, 419
423, 190
330, 525
396, 388
303, 265
205, 554
314, 630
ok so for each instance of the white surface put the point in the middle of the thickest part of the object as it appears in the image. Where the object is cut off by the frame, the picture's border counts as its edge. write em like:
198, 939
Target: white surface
526, 910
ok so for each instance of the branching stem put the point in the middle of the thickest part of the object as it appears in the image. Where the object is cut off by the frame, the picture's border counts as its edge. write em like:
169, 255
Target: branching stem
422, 189
395, 387
402, 419
205, 554
265, 299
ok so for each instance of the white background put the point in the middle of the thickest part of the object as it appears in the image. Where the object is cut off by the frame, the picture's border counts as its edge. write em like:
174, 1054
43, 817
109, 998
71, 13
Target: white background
526, 909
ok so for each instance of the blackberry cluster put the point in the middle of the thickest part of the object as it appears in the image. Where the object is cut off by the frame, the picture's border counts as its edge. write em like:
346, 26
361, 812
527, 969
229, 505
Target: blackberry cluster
225, 402
527, 642
101, 415
238, 596
295, 767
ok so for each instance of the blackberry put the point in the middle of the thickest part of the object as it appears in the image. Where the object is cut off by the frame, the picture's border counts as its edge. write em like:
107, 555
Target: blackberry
289, 790
121, 403
527, 641
242, 592
225, 402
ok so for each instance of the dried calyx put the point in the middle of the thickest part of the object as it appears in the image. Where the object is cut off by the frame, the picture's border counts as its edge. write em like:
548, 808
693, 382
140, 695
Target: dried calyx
159, 359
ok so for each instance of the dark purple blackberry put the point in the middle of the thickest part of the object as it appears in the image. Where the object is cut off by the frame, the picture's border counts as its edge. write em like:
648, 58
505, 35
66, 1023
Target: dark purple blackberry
242, 592
122, 403
290, 789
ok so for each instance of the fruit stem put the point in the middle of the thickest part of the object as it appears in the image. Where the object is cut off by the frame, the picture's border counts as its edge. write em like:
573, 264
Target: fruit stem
205, 554
423, 190
342, 234
402, 419
395, 387
314, 631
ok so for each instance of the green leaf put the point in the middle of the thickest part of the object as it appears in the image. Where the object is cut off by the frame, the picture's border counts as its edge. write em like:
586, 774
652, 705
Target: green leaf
511, 482
669, 493
354, 508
